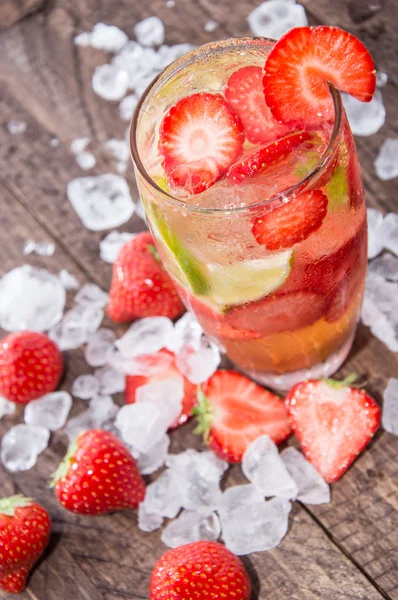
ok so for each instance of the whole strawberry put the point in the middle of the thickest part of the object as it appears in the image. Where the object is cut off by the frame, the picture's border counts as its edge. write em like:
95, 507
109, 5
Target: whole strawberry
24, 531
333, 422
140, 285
30, 366
98, 475
198, 571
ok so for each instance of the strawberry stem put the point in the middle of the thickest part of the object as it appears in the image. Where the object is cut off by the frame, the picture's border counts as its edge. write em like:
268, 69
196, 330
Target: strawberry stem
8, 505
204, 413
63, 467
338, 385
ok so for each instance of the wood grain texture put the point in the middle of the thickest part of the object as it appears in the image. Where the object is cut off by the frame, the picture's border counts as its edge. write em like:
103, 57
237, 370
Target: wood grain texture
12, 11
346, 550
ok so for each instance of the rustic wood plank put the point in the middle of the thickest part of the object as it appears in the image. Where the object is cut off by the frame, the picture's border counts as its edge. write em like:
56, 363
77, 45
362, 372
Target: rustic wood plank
12, 11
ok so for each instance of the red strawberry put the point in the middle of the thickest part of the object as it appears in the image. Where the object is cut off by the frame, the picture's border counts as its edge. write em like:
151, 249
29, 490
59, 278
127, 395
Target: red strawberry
277, 313
140, 285
167, 368
198, 571
24, 532
333, 423
233, 411
98, 475
200, 137
292, 222
303, 61
245, 94
30, 366
257, 161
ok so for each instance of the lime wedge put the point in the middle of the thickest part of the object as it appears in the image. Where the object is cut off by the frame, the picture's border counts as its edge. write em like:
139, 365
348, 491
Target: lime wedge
337, 189
247, 281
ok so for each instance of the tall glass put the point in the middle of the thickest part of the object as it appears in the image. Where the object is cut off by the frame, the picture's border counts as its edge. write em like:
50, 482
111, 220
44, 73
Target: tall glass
280, 316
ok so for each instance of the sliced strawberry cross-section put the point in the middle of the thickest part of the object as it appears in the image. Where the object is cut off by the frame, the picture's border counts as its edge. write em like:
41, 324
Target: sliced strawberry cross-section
245, 94
233, 411
333, 423
301, 64
200, 137
291, 222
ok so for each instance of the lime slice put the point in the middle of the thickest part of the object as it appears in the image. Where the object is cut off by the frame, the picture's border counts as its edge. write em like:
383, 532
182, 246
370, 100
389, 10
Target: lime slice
247, 281
337, 189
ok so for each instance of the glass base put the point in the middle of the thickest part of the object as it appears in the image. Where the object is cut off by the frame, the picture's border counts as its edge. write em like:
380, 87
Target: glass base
321, 370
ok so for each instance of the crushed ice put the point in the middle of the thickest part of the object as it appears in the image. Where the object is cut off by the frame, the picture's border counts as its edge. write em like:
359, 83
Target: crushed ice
21, 446
111, 245
274, 18
386, 163
39, 248
389, 419
365, 118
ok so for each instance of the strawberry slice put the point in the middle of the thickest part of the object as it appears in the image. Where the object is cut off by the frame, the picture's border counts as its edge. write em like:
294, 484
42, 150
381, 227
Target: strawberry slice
161, 365
200, 137
245, 94
333, 423
303, 61
278, 313
292, 222
233, 411
257, 161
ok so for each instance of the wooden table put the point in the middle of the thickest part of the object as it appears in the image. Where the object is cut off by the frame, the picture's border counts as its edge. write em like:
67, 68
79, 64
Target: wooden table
345, 550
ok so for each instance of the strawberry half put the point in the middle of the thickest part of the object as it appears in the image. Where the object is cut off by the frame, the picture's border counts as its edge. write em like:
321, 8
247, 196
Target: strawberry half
257, 161
245, 94
303, 61
233, 411
292, 222
200, 137
24, 532
199, 571
167, 368
140, 285
98, 475
333, 423
30, 366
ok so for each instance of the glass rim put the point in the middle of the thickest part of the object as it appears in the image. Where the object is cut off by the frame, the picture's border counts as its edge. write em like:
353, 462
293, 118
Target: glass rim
281, 196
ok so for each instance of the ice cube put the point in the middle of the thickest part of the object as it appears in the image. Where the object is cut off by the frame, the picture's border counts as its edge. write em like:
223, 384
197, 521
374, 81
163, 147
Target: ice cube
110, 380
146, 364
101, 202
102, 411
166, 395
150, 32
100, 347
312, 489
187, 330
107, 37
77, 425
91, 295
381, 79
83, 39
50, 411
76, 326
365, 118
197, 476
109, 82
16, 127
263, 467
147, 521
192, 526
127, 106
111, 245
375, 232
152, 460
119, 149
198, 363
139, 63
54, 142
390, 231
210, 26
68, 281
6, 407
41, 249
274, 18
67, 339
85, 387
238, 496
386, 266
140, 425
86, 160
30, 298
389, 418
386, 163
380, 309
79, 145
257, 527
145, 336
21, 446
162, 498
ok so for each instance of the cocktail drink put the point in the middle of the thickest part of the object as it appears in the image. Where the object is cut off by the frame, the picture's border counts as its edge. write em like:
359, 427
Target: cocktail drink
259, 216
